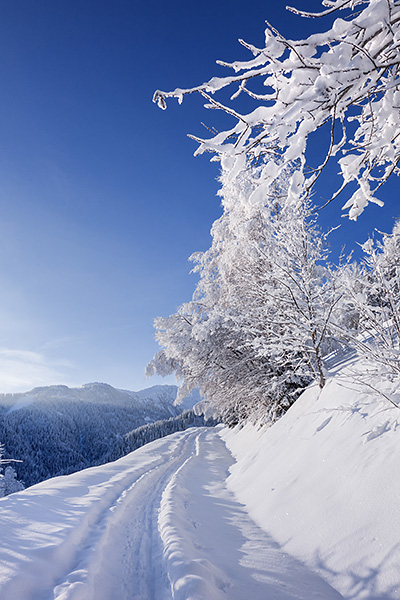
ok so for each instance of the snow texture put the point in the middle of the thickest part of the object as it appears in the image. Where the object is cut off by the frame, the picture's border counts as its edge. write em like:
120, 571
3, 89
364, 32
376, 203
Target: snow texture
323, 482
157, 524
309, 510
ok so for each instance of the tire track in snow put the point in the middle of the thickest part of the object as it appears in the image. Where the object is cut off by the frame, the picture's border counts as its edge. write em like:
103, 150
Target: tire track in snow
158, 524
122, 556
213, 550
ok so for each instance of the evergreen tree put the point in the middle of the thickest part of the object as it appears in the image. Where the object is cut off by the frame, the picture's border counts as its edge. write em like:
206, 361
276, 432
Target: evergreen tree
8, 481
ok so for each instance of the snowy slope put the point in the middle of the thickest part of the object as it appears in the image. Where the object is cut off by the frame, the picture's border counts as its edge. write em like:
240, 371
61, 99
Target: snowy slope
155, 525
309, 510
324, 482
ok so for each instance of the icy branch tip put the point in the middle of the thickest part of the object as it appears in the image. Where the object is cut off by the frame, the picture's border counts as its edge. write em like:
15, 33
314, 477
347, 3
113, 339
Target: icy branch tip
296, 11
159, 99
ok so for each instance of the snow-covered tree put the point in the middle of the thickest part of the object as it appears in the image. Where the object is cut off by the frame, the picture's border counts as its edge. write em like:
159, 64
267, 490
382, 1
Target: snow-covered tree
297, 294
208, 342
344, 81
259, 322
284, 288
373, 290
8, 481
268, 306
206, 352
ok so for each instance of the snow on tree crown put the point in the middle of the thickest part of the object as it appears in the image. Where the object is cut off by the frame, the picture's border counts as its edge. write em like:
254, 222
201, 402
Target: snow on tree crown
346, 79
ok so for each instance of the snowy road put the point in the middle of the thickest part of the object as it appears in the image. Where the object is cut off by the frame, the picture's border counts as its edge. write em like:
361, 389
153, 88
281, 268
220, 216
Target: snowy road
155, 525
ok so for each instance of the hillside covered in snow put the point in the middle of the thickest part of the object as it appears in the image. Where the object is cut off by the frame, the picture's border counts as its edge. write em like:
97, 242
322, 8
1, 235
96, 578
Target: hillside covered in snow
323, 481
57, 430
305, 508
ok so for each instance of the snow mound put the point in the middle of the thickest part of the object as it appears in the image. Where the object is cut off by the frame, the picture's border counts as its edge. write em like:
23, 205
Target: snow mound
158, 523
323, 481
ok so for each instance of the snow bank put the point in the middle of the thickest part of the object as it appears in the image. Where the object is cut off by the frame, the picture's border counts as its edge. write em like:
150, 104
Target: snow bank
157, 524
324, 482
45, 527
214, 551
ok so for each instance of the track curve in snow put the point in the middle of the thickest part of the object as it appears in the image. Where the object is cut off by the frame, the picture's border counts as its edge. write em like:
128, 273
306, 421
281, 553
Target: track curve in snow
158, 524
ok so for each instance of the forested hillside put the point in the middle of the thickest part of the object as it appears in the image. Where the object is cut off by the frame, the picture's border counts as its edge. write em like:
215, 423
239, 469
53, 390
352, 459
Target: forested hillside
57, 430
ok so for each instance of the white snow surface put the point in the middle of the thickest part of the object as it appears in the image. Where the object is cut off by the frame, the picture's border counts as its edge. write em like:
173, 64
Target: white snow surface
308, 509
324, 482
155, 525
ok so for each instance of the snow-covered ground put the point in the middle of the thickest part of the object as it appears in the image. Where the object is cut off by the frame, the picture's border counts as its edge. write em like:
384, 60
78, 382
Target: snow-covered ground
324, 482
309, 510
157, 524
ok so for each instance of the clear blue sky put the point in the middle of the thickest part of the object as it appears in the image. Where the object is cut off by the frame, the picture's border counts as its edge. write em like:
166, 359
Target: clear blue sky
101, 200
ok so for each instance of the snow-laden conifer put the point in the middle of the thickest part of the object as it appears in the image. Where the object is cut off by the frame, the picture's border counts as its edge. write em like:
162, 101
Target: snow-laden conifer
8, 480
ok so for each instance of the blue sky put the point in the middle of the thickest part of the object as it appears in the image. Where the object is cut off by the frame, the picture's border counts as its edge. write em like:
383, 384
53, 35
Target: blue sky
101, 200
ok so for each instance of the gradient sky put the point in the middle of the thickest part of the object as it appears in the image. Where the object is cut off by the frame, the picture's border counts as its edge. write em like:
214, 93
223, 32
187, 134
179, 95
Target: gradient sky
101, 200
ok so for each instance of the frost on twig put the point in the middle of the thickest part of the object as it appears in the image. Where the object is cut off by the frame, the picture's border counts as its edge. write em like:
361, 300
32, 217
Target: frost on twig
347, 76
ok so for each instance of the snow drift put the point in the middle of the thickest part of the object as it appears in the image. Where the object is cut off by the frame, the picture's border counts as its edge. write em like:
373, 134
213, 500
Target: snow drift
314, 497
323, 481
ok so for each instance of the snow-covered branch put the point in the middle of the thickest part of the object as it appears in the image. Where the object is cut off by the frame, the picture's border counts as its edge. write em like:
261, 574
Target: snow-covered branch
348, 76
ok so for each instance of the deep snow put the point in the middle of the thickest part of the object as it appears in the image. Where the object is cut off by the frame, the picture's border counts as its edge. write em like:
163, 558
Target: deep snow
308, 510
157, 524
324, 482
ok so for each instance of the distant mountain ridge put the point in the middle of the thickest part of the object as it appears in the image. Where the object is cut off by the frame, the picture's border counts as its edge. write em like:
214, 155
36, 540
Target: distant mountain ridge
98, 393
57, 430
